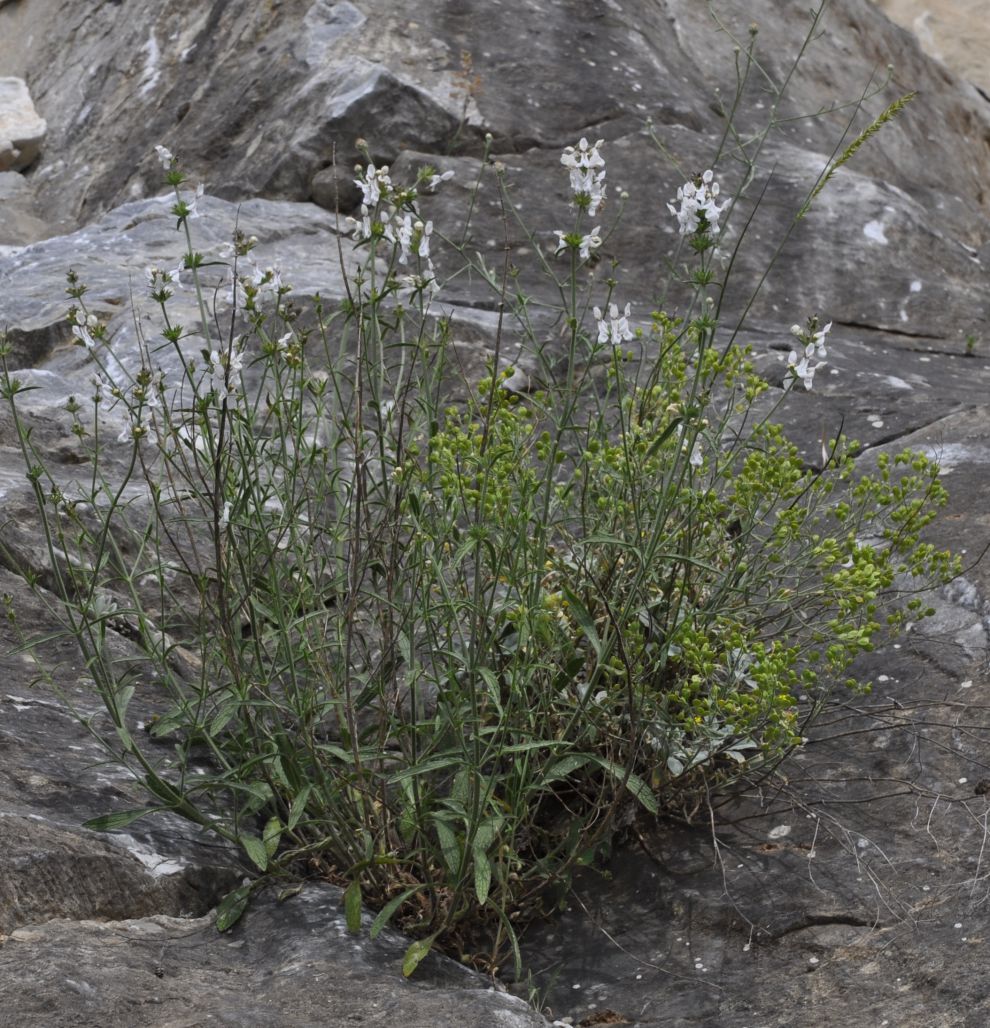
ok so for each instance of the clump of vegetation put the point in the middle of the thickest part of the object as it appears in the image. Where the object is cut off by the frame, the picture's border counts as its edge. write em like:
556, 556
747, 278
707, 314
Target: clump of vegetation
441, 645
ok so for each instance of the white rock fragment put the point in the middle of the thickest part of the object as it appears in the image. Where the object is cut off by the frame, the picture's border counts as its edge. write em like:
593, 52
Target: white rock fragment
22, 130
874, 230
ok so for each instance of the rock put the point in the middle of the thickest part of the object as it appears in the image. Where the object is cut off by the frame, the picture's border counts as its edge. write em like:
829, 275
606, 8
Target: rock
169, 972
22, 131
829, 892
954, 32
19, 223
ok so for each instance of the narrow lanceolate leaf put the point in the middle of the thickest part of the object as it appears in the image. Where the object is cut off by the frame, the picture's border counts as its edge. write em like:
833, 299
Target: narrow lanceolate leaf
352, 906
482, 876
384, 915
633, 783
271, 835
231, 907
448, 845
110, 822
255, 849
585, 621
563, 767
415, 953
298, 807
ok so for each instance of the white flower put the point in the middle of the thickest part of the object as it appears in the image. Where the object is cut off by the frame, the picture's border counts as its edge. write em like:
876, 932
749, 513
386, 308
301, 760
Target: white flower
698, 209
435, 180
799, 362
587, 173
615, 328
165, 156
423, 250
224, 367
193, 210
583, 155
362, 228
81, 332
374, 182
818, 340
696, 457
424, 285
83, 329
160, 280
225, 514
193, 439
801, 367
267, 280
401, 232
561, 241
590, 242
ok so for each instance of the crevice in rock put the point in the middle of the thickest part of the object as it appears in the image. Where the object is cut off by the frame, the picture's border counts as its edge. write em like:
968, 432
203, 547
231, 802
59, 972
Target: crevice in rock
907, 430
818, 920
889, 331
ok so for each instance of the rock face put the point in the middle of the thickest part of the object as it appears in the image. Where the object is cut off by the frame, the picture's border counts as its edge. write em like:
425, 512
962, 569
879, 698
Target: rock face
22, 131
956, 32
264, 103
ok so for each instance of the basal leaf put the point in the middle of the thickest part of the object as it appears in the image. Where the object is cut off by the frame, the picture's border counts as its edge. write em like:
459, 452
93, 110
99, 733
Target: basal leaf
255, 849
415, 954
232, 906
121, 819
352, 906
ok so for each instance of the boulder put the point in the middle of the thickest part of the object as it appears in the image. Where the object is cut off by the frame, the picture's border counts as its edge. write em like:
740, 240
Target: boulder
954, 32
19, 221
22, 131
849, 887
290, 962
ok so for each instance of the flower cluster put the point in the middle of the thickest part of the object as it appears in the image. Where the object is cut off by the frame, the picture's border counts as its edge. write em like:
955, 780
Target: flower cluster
87, 328
812, 344
585, 245
587, 169
698, 212
224, 368
613, 329
389, 213
161, 281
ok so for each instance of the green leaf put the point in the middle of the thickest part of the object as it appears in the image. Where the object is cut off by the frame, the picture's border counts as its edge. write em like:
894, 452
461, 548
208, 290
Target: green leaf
232, 906
414, 955
448, 845
352, 906
255, 849
663, 437
123, 818
435, 764
584, 620
162, 789
298, 807
633, 783
563, 767
384, 915
123, 698
482, 875
271, 835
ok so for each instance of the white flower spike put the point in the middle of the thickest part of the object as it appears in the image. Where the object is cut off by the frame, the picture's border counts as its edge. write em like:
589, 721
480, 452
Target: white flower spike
698, 210
613, 329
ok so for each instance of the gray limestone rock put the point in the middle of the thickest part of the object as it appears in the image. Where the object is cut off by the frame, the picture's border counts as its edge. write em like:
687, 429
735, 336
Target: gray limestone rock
22, 130
851, 914
292, 962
